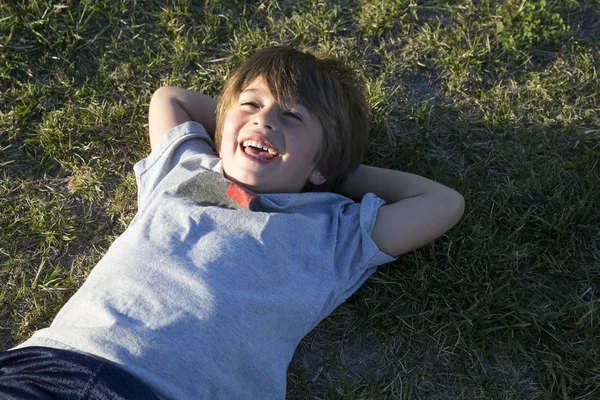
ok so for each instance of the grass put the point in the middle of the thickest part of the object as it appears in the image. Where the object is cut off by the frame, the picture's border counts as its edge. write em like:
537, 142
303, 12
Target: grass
499, 100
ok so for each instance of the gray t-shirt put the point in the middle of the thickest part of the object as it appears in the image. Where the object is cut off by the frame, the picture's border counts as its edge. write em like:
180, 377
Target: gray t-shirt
210, 289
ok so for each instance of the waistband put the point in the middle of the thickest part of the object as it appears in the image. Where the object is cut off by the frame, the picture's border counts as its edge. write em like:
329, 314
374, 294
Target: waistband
48, 373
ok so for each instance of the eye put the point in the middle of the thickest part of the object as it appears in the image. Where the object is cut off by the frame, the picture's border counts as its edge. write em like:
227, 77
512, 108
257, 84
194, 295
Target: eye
249, 104
293, 115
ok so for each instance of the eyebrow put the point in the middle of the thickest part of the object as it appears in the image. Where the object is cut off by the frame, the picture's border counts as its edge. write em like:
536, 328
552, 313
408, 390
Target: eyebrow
255, 90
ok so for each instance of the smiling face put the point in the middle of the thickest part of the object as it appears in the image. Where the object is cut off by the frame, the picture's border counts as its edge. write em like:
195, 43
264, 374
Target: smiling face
268, 147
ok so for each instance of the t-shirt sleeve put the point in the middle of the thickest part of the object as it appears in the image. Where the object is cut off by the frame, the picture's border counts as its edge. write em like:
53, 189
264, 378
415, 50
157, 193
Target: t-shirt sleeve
184, 142
355, 227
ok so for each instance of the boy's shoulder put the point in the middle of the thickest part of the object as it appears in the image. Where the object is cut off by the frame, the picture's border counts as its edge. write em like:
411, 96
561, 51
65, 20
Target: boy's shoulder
183, 150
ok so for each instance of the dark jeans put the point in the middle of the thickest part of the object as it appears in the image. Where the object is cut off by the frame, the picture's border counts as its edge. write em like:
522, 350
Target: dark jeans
45, 373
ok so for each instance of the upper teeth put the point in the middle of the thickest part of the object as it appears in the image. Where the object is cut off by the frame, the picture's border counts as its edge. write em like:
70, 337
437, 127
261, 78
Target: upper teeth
254, 143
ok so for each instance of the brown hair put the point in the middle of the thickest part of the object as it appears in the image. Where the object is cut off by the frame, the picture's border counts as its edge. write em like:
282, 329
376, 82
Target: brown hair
327, 88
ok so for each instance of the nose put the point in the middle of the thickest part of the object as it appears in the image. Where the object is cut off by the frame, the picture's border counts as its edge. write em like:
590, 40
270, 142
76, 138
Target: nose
266, 117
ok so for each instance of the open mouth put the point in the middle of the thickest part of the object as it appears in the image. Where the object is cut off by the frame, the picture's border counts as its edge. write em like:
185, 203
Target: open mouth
259, 151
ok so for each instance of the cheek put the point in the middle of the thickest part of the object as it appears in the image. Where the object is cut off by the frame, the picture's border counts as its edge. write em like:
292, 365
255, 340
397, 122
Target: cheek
227, 135
309, 150
231, 126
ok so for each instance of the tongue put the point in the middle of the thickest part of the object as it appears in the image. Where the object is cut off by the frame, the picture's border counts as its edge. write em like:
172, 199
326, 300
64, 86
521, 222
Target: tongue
255, 152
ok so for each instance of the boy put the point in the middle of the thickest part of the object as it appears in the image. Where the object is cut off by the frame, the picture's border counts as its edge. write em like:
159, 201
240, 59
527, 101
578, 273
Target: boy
232, 259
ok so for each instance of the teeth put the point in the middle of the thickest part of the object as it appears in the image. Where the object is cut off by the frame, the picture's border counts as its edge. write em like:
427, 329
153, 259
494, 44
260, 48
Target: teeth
254, 143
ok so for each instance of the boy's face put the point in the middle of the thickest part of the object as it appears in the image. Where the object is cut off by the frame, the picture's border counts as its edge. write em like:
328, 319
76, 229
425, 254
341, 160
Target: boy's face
269, 148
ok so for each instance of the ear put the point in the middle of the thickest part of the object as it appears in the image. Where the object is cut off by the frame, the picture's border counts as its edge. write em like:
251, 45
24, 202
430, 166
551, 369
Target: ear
316, 178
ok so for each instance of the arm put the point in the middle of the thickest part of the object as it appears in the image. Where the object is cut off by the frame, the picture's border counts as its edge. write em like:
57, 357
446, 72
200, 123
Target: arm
171, 106
417, 211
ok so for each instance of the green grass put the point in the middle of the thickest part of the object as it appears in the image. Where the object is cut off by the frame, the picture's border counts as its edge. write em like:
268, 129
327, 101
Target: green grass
497, 99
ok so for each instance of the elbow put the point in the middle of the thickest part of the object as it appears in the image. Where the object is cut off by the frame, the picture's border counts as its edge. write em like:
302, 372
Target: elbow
157, 98
161, 94
455, 204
